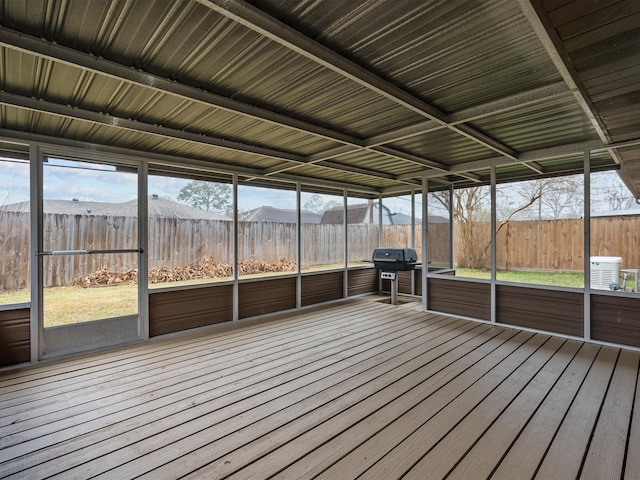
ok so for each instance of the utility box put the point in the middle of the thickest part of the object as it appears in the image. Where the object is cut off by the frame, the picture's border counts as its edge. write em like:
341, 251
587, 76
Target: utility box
604, 270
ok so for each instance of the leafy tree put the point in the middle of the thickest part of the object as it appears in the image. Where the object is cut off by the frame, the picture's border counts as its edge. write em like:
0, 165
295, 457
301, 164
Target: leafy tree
212, 197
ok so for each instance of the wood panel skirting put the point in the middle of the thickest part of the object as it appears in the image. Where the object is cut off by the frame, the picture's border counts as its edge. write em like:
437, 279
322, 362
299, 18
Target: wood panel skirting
266, 296
615, 319
543, 309
14, 336
468, 299
363, 281
323, 287
176, 310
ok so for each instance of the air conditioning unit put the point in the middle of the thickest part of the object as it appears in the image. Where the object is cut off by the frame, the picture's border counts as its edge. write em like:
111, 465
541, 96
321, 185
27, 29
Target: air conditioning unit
604, 270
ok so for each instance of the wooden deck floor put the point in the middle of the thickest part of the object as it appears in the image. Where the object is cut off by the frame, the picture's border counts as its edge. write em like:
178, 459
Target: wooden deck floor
356, 390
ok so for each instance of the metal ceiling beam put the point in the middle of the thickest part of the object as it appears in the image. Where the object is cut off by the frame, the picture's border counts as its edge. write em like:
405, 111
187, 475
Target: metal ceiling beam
318, 159
67, 111
54, 143
74, 58
340, 167
59, 53
538, 18
328, 183
519, 100
271, 28
531, 157
496, 107
166, 132
530, 97
68, 56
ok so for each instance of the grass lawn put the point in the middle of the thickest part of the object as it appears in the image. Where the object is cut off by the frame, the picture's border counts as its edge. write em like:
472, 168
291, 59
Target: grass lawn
63, 305
561, 279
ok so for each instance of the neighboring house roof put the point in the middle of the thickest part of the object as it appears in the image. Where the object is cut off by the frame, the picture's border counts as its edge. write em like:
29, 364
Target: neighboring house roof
402, 219
281, 215
158, 208
161, 207
355, 214
358, 214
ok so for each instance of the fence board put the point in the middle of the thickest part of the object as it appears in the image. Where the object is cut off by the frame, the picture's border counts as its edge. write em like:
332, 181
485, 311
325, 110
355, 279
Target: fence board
552, 245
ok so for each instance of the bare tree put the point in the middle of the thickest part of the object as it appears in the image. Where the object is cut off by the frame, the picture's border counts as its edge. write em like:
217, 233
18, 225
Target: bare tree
562, 197
471, 212
314, 204
618, 197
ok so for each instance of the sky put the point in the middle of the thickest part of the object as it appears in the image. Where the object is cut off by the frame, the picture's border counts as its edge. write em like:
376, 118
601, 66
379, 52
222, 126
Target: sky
64, 179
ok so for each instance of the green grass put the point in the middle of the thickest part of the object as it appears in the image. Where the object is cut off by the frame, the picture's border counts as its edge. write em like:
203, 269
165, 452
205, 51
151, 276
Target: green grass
14, 296
63, 305
560, 279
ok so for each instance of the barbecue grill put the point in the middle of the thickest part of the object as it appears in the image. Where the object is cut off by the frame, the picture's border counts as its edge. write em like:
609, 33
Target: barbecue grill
390, 261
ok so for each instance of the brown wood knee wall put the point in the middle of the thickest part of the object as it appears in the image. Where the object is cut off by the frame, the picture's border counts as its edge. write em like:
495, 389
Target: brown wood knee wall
15, 336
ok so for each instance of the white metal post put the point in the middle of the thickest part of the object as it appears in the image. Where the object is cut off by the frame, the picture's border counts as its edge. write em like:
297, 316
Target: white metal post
35, 186
413, 238
143, 255
493, 244
451, 228
236, 301
425, 241
298, 247
345, 226
587, 245
380, 235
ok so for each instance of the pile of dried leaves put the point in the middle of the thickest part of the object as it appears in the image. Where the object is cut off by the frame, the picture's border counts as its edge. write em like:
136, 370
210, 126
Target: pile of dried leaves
205, 267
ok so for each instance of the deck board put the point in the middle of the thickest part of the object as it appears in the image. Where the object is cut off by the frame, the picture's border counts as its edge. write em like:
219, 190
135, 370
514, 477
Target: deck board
611, 432
358, 389
566, 453
523, 457
632, 464
495, 427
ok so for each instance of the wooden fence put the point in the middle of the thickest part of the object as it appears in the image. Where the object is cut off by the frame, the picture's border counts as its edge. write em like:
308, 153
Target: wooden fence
546, 245
552, 245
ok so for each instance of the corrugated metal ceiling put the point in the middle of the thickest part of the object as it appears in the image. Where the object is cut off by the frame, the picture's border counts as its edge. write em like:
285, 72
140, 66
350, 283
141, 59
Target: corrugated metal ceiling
367, 95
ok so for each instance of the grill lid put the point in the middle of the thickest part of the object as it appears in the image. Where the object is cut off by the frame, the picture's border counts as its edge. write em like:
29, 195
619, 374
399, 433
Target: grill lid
395, 259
